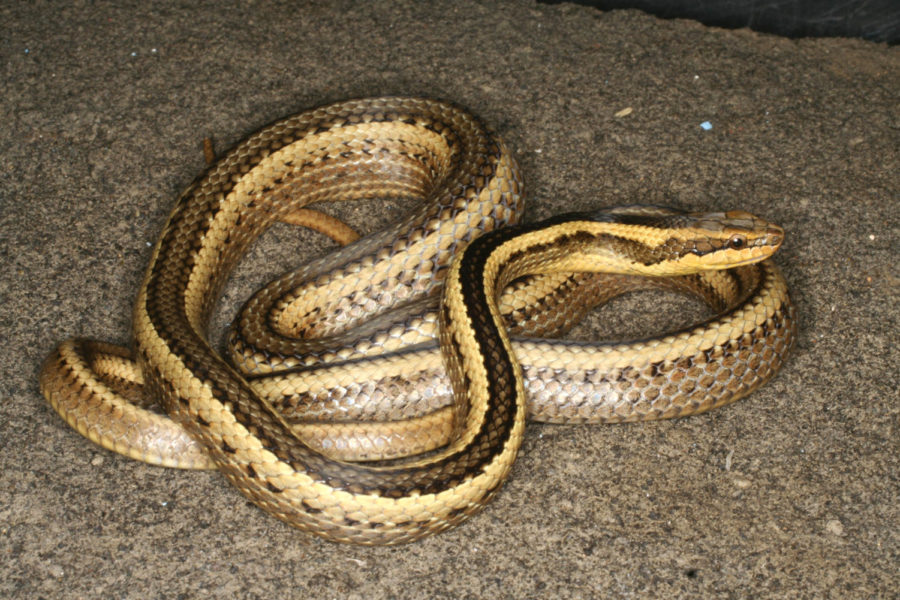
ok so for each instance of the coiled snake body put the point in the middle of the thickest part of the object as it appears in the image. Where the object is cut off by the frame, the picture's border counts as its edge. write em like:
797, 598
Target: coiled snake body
246, 424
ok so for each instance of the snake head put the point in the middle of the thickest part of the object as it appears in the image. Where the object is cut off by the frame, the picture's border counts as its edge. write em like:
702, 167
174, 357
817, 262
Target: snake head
729, 239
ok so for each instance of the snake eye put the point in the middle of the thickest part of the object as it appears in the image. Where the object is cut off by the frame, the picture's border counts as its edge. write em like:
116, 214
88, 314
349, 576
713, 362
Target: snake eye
737, 242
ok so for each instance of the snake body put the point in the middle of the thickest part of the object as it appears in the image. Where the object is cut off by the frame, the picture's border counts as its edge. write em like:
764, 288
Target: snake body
412, 148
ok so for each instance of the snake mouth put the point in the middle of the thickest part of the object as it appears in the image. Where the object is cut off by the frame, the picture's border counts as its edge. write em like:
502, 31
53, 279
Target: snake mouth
748, 261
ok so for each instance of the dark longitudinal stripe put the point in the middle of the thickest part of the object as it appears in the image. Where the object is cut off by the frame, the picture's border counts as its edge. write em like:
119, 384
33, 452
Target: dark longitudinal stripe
497, 363
625, 247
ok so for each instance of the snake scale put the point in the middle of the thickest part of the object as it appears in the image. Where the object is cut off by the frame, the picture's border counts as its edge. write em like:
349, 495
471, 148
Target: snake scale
284, 418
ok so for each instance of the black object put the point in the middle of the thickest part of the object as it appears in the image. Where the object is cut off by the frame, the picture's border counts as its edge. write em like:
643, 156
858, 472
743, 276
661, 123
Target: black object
875, 20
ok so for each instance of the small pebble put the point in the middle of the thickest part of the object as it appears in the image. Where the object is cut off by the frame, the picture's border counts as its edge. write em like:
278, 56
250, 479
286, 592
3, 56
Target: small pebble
742, 483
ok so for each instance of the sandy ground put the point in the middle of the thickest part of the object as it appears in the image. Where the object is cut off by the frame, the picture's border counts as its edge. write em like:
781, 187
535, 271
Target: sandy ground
790, 493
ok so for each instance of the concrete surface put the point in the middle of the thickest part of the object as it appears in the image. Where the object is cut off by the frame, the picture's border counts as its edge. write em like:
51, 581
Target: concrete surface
791, 493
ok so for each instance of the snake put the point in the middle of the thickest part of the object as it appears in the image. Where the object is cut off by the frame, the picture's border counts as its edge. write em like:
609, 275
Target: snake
456, 255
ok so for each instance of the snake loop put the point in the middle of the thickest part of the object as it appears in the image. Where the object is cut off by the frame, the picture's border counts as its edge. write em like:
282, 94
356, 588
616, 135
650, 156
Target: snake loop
248, 425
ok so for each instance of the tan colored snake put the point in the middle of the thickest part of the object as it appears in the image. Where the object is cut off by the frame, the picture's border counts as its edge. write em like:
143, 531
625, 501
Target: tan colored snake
412, 148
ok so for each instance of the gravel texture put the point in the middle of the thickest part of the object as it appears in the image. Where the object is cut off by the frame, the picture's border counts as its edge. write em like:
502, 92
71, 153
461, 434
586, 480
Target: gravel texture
790, 493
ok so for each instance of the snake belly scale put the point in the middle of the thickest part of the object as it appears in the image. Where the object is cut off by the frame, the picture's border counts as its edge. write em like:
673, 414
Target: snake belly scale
409, 148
